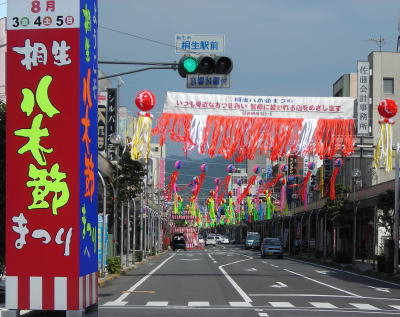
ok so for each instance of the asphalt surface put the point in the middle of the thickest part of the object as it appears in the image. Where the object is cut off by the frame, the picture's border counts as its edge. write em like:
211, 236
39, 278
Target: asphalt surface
230, 281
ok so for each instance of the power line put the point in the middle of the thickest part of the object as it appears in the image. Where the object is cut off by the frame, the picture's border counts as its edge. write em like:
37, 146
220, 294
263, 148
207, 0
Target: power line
136, 36
144, 38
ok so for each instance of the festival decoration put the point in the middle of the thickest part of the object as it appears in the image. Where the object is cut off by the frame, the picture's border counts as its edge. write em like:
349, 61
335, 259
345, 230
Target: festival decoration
219, 124
171, 188
283, 195
140, 145
230, 168
383, 152
145, 100
337, 165
306, 179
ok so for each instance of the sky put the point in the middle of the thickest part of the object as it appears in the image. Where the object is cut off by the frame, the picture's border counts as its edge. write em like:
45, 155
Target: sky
278, 48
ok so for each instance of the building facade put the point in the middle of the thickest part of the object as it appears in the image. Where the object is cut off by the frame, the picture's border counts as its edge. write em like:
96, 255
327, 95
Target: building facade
3, 48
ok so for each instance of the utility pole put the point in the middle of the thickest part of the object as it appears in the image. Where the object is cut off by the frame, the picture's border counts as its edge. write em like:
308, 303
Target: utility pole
396, 212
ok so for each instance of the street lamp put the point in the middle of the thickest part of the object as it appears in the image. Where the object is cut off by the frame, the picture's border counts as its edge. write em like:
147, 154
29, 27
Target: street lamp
116, 140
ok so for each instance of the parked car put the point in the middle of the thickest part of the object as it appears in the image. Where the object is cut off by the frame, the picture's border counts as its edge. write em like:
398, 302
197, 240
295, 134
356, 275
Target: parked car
178, 242
272, 246
211, 240
224, 240
201, 240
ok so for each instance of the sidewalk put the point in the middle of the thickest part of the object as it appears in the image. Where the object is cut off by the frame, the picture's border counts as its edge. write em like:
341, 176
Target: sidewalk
106, 280
366, 268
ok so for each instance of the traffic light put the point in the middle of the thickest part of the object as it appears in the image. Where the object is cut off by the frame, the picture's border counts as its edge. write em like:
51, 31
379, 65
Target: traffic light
313, 183
204, 64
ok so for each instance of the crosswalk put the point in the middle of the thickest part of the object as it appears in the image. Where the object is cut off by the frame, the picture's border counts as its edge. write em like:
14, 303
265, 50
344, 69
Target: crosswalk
277, 305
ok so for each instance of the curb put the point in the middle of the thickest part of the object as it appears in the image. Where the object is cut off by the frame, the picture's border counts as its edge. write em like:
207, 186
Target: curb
103, 282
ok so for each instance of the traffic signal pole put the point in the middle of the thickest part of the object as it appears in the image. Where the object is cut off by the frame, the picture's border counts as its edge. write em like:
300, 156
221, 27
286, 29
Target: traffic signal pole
153, 65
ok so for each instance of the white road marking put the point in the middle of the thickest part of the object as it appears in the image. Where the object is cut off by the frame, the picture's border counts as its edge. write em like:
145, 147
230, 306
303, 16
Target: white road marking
307, 295
119, 300
115, 303
343, 271
263, 315
190, 259
323, 272
325, 284
322, 305
265, 262
281, 304
158, 304
364, 306
215, 261
279, 285
274, 265
241, 292
380, 289
395, 307
198, 304
240, 304
253, 269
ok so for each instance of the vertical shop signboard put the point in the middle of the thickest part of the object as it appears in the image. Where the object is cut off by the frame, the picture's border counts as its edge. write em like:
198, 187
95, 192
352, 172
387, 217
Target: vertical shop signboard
51, 215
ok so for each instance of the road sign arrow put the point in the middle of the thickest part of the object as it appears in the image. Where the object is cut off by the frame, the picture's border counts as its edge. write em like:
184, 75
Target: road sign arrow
323, 272
279, 285
251, 270
380, 289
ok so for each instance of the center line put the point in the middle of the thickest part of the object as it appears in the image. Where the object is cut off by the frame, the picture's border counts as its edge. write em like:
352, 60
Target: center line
242, 293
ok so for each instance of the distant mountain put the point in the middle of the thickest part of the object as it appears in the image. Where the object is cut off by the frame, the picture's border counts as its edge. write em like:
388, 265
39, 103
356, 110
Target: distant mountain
191, 168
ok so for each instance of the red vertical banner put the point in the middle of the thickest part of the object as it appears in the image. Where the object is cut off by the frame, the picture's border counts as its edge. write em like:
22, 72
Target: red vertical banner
43, 234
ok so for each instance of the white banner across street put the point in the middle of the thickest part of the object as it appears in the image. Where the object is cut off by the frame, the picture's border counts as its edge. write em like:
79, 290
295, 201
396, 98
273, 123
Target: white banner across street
260, 106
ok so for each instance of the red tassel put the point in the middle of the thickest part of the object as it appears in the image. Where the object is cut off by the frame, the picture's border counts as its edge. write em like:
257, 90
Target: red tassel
246, 191
244, 136
303, 190
172, 185
332, 181
222, 190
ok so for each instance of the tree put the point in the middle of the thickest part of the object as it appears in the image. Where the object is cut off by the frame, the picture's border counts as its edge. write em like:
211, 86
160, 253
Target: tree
336, 208
386, 206
130, 177
2, 178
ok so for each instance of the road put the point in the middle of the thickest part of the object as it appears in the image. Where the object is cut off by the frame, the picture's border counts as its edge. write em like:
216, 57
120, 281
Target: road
230, 281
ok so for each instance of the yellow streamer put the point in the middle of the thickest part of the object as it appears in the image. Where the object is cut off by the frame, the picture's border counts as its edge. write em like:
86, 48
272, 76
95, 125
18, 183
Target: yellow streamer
383, 156
141, 138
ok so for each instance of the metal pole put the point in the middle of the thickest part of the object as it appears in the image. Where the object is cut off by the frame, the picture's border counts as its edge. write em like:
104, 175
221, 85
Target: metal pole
145, 234
115, 218
121, 247
396, 213
325, 234
128, 228
103, 238
309, 231
141, 222
134, 231
355, 231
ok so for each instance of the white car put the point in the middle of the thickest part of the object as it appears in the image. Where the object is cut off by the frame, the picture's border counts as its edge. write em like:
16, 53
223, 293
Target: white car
201, 240
224, 240
211, 240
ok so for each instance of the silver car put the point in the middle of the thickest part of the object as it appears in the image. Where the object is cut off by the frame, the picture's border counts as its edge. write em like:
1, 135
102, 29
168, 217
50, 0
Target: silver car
272, 246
